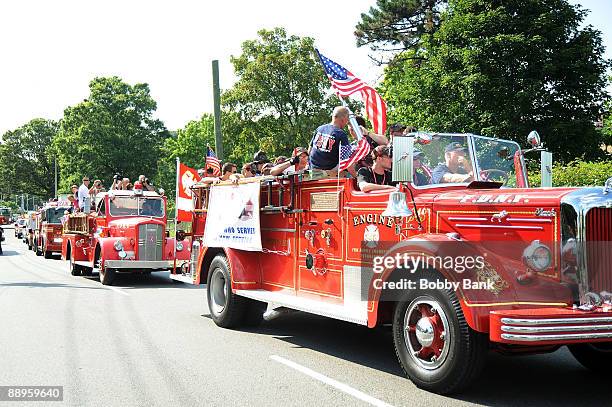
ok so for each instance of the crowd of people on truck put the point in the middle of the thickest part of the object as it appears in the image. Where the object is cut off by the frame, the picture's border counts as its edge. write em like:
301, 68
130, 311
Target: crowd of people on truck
372, 172
82, 196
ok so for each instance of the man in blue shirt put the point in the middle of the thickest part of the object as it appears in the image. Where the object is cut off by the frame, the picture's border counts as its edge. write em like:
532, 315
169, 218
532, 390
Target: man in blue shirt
325, 144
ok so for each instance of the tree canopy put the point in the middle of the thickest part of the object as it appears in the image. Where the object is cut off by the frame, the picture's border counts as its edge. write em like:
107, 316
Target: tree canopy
26, 159
279, 97
505, 68
112, 131
398, 25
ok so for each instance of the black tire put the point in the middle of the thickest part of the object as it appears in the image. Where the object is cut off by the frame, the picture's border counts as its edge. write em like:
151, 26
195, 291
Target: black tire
456, 355
594, 356
47, 254
107, 275
227, 309
38, 250
75, 269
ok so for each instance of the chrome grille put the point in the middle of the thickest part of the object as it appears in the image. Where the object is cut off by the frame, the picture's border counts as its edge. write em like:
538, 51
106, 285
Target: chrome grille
598, 236
150, 238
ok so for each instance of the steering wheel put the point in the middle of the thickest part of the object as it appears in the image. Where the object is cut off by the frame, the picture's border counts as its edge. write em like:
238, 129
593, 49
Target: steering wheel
485, 175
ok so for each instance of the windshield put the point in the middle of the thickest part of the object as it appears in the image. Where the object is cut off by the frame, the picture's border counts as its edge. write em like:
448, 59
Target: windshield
54, 215
136, 206
5, 211
447, 159
441, 159
495, 160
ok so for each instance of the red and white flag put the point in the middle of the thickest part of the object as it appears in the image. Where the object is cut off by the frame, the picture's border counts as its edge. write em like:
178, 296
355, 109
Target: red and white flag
185, 178
345, 84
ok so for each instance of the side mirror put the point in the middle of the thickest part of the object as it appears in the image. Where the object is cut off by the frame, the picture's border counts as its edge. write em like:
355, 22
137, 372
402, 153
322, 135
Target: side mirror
533, 138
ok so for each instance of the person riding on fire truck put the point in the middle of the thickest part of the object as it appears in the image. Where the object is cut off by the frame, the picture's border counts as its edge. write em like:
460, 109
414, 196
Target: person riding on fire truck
325, 144
457, 167
378, 176
298, 162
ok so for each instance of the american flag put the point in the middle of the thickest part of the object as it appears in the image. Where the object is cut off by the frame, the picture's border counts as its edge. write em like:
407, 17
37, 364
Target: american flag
351, 153
345, 84
212, 162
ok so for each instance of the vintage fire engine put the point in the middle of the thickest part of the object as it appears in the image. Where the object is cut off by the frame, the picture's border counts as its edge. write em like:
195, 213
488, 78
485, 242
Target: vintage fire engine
48, 229
126, 234
5, 216
541, 278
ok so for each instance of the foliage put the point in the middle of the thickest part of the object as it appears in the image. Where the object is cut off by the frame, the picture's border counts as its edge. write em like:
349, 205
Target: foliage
577, 173
279, 97
189, 145
503, 69
398, 25
112, 131
26, 159
9, 204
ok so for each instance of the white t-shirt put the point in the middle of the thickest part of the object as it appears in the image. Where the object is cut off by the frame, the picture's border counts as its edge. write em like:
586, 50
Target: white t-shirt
83, 194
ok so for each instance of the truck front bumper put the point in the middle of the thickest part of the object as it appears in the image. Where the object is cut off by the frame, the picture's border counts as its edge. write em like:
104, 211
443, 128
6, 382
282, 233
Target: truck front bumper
128, 265
548, 326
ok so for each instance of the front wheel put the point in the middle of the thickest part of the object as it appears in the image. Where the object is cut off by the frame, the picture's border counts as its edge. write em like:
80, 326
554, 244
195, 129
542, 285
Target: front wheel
107, 275
226, 308
437, 349
594, 356
47, 254
75, 269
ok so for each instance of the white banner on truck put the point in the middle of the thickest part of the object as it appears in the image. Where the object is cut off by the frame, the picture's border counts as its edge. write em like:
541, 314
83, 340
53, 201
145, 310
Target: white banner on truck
233, 217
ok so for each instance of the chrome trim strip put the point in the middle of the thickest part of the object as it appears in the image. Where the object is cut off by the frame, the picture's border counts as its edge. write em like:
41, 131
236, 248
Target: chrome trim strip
461, 225
555, 321
553, 329
139, 264
529, 220
559, 337
467, 219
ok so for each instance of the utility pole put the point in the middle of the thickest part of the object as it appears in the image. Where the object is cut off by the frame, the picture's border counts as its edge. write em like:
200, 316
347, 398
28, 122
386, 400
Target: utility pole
55, 178
217, 109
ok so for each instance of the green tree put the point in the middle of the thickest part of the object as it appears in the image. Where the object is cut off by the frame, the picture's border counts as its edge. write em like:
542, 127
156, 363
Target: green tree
503, 69
26, 159
398, 25
189, 145
279, 97
112, 131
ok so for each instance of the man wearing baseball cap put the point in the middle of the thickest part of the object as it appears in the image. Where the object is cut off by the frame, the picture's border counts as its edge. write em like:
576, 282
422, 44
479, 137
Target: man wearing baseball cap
422, 174
457, 167
298, 162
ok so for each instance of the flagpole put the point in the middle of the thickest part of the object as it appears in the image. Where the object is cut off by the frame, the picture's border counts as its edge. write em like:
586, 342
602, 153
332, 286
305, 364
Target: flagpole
176, 198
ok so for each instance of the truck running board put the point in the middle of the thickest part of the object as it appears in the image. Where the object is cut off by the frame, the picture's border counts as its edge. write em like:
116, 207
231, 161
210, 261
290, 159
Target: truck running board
183, 278
354, 311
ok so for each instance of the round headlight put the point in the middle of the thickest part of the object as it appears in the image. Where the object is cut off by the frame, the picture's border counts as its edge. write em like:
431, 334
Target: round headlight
179, 246
537, 256
122, 254
118, 245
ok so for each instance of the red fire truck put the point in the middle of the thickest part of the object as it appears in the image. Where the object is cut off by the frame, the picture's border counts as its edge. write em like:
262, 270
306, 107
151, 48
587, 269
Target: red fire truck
48, 229
5, 216
126, 234
540, 276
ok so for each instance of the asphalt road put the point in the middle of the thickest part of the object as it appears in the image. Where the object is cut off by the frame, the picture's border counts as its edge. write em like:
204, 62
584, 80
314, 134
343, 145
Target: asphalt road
149, 341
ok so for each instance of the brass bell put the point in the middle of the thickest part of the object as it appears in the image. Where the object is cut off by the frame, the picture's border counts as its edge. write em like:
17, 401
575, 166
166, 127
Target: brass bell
396, 206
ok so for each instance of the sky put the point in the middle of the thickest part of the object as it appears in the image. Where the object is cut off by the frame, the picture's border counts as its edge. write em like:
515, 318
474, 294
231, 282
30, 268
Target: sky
50, 50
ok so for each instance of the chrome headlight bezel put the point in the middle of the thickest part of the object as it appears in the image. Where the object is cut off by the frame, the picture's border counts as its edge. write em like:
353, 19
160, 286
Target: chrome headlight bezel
179, 246
118, 245
537, 256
